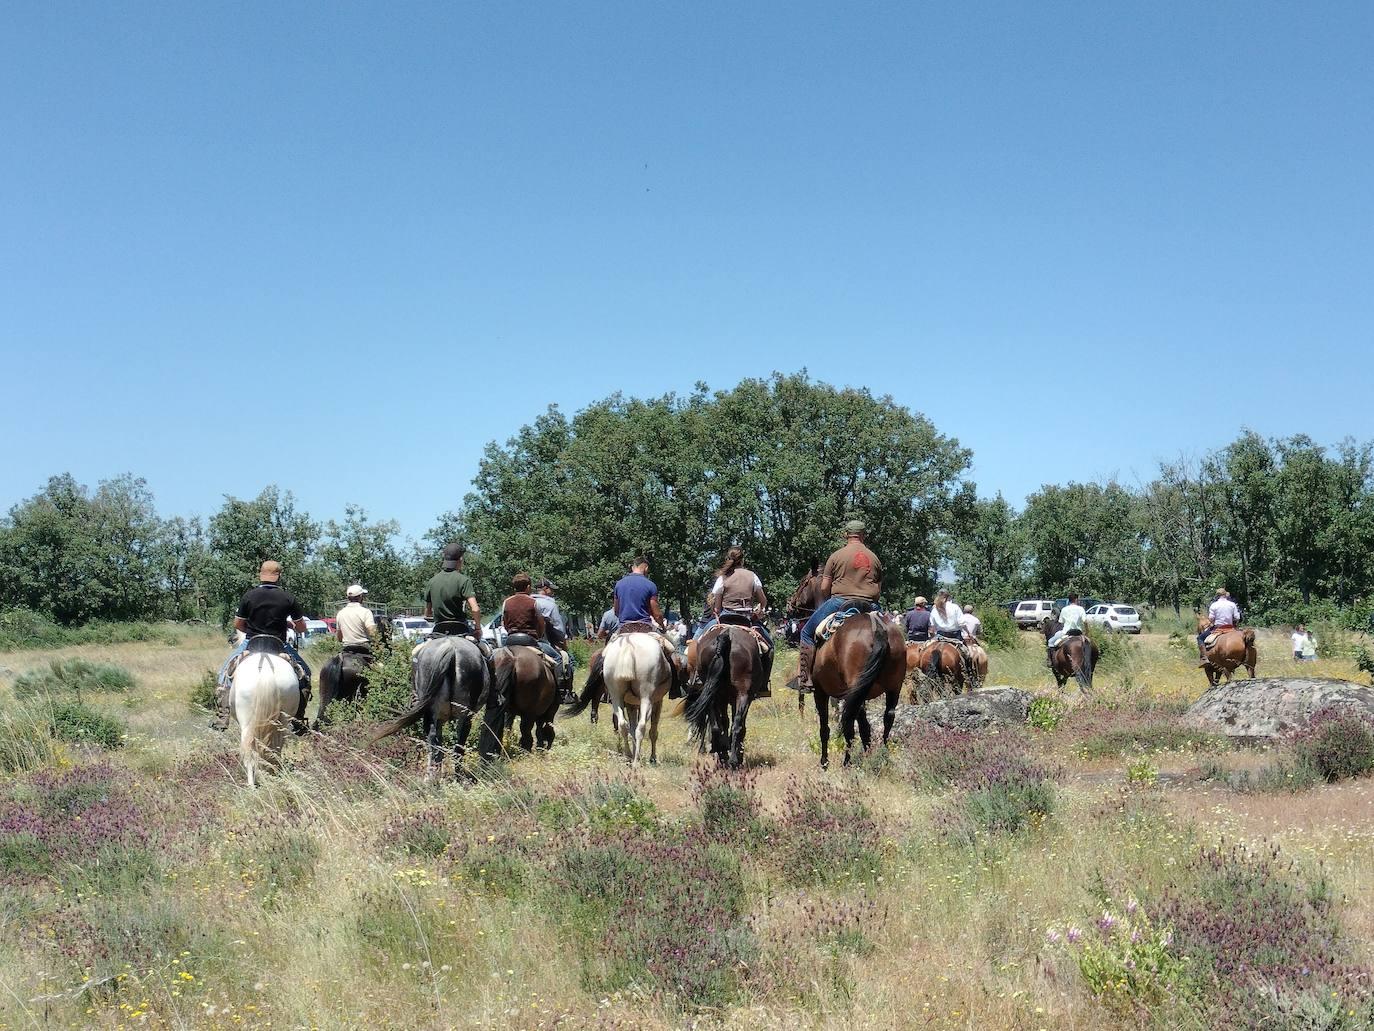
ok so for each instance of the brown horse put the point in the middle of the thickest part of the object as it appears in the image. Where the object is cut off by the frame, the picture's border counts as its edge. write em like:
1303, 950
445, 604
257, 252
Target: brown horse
1075, 656
864, 659
525, 687
941, 669
1230, 650
800, 607
732, 673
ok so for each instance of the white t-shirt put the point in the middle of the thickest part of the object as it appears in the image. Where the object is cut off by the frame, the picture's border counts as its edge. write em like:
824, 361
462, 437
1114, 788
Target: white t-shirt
1299, 639
1071, 616
973, 626
1224, 612
950, 620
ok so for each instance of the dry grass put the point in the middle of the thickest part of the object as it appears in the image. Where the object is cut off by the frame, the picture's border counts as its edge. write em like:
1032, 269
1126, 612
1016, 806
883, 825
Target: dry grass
365, 936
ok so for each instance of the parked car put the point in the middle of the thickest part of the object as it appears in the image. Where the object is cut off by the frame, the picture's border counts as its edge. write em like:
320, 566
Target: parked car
494, 633
316, 628
412, 628
1087, 603
1121, 618
1032, 612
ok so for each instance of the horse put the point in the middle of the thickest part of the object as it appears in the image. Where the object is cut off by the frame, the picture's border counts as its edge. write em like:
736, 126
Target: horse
1230, 650
733, 671
800, 607
938, 663
525, 687
264, 696
451, 678
1074, 656
344, 677
864, 659
636, 673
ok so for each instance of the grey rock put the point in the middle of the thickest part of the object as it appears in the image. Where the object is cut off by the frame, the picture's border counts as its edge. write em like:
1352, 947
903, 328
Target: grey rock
987, 707
1270, 707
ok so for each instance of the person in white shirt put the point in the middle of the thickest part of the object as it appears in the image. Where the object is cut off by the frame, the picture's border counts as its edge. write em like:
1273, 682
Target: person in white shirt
1222, 615
945, 617
1071, 619
354, 625
1299, 639
971, 625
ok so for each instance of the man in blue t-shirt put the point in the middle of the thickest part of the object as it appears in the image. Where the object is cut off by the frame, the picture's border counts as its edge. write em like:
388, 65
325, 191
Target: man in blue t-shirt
636, 598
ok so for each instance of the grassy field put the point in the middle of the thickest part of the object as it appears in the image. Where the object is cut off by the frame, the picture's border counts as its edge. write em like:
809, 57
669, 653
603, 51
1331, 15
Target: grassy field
1065, 877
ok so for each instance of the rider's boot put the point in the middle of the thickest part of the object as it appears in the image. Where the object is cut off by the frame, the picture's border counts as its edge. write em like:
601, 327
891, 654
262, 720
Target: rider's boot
1049, 656
298, 724
807, 655
220, 720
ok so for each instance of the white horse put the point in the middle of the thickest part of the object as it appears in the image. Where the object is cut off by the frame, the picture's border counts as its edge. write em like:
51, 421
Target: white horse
637, 674
264, 697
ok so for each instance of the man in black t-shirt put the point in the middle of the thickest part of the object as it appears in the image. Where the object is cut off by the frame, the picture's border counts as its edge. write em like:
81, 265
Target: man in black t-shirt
267, 610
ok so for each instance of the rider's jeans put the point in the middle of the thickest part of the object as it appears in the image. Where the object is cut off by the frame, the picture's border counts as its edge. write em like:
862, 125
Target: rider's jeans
831, 604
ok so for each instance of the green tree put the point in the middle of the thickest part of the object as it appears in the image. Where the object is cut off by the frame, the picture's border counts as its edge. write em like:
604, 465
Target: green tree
359, 550
244, 534
987, 549
1084, 537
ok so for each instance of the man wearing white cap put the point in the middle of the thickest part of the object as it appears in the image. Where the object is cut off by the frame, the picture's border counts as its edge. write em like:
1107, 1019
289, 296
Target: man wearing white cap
354, 625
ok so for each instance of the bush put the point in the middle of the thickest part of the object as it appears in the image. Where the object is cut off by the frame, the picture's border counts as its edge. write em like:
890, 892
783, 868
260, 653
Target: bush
728, 802
74, 675
24, 628
1338, 745
824, 833
934, 758
1365, 661
25, 741
1108, 732
1000, 631
1128, 960
203, 693
1047, 712
389, 689
1280, 775
599, 803
1004, 797
79, 723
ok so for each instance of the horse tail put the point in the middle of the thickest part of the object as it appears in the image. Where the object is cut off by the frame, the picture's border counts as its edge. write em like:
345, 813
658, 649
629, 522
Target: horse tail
878, 654
444, 674
1084, 670
714, 675
932, 669
499, 700
591, 691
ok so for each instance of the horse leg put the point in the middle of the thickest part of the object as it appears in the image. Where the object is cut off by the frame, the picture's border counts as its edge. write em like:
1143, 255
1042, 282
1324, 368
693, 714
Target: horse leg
865, 730
434, 736
823, 715
527, 733
890, 711
737, 730
655, 711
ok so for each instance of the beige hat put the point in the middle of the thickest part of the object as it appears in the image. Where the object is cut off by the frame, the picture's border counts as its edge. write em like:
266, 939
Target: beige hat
921, 600
1222, 591
357, 591
270, 571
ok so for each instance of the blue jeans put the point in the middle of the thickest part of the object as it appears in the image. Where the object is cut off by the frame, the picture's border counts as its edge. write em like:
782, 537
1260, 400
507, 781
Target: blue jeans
832, 604
242, 646
762, 628
564, 672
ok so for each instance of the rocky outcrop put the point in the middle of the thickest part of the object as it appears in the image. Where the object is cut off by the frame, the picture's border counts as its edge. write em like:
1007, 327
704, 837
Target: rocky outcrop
982, 709
1270, 707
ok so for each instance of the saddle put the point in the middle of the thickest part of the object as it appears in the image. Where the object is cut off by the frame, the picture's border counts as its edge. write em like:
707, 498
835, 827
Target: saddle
1215, 635
745, 622
265, 644
832, 623
643, 627
527, 641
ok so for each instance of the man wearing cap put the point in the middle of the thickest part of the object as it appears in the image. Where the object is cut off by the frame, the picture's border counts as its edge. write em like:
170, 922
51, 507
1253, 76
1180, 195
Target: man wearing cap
556, 636
267, 610
917, 620
355, 626
851, 576
450, 598
1222, 615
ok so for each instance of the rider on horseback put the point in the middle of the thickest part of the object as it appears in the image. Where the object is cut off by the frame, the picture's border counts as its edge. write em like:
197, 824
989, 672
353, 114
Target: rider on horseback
1071, 619
737, 597
355, 625
946, 619
267, 610
853, 576
1222, 615
917, 621
450, 598
556, 631
636, 610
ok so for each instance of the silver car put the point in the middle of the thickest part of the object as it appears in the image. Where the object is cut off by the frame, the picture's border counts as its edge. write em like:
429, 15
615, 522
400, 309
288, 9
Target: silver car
1122, 618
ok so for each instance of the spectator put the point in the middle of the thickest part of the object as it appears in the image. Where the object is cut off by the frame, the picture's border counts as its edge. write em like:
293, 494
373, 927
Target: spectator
1309, 648
1299, 639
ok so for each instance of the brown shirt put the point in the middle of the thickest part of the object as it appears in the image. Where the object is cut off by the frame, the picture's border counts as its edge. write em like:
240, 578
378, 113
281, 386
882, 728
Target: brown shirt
854, 572
739, 592
519, 615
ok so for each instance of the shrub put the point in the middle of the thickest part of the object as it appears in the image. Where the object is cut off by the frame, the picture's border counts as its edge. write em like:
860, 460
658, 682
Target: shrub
1104, 731
1007, 795
1336, 744
389, 689
424, 831
824, 833
24, 628
25, 740
79, 723
1365, 661
75, 675
600, 803
203, 693
1128, 960
1142, 772
1047, 712
1000, 631
320, 649
1280, 775
728, 802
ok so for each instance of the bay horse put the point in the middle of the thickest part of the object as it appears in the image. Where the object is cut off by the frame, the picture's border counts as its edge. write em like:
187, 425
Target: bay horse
637, 674
451, 680
732, 672
1230, 650
526, 688
864, 659
1075, 656
344, 677
939, 666
264, 696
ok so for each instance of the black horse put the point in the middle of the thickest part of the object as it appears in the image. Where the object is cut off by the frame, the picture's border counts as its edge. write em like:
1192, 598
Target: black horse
344, 677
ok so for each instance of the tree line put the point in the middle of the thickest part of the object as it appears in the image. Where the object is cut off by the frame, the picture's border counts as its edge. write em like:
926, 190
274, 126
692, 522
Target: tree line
775, 465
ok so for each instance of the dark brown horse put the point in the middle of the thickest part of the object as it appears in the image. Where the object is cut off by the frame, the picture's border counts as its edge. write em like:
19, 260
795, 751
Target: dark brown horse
864, 659
941, 669
525, 687
1231, 649
732, 671
800, 607
344, 677
1075, 656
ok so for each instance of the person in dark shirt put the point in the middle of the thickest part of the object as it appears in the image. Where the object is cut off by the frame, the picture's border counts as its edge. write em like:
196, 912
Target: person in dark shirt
520, 615
267, 610
450, 597
917, 621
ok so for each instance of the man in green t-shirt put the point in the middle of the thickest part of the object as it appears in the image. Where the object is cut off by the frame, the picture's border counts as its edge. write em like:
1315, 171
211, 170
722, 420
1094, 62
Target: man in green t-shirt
450, 597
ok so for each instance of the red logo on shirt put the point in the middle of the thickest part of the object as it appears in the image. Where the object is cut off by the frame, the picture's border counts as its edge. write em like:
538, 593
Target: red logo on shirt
862, 561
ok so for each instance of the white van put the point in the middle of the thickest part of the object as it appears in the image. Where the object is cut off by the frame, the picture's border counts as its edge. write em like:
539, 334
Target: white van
1031, 613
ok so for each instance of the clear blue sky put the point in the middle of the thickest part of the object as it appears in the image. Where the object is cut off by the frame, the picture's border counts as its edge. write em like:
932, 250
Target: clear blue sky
1079, 237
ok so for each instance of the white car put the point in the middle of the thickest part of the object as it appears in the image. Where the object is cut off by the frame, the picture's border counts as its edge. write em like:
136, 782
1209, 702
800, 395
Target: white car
494, 633
1031, 613
412, 628
1115, 617
316, 628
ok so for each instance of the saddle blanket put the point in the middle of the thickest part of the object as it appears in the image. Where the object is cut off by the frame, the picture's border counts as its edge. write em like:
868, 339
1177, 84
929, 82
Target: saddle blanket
547, 659
827, 627
759, 639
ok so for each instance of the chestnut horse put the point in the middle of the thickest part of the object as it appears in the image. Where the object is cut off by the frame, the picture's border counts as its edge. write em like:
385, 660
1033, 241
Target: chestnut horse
525, 687
864, 659
939, 665
1075, 656
1230, 650
732, 671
